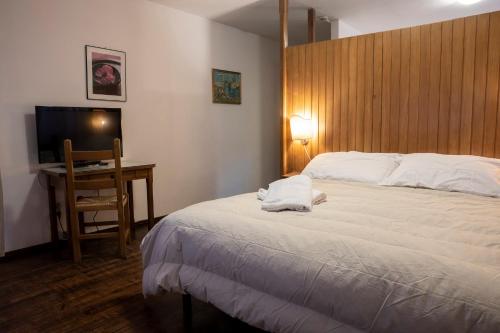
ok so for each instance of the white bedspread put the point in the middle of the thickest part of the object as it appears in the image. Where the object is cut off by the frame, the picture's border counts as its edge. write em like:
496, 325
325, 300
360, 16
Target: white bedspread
371, 258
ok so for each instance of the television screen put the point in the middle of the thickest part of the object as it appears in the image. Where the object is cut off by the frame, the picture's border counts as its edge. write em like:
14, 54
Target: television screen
87, 128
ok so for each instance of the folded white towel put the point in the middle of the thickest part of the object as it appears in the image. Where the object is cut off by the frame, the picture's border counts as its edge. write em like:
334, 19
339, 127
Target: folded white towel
317, 196
294, 193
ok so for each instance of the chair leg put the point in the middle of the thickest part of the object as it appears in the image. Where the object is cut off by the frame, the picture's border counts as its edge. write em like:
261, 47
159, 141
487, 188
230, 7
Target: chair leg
127, 222
81, 222
75, 237
121, 233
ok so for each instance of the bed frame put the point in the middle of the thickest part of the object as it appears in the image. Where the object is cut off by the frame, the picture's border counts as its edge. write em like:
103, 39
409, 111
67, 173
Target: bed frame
187, 311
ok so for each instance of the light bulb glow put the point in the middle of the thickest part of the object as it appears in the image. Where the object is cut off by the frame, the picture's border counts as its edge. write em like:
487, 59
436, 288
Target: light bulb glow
98, 120
301, 127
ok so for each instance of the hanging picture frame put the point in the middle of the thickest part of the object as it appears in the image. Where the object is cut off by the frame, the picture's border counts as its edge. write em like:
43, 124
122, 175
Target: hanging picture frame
226, 87
106, 74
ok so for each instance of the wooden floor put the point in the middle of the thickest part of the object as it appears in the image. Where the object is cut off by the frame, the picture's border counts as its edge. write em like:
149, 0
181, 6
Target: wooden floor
46, 292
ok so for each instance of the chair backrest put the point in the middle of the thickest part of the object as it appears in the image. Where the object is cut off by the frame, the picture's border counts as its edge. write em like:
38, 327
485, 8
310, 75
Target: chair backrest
116, 182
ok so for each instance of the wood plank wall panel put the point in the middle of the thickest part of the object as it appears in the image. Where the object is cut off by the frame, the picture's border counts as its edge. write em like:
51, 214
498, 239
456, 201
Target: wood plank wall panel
404, 90
337, 68
414, 89
423, 102
292, 91
344, 94
434, 86
322, 74
456, 85
468, 84
368, 119
395, 89
301, 107
313, 59
492, 86
377, 92
352, 88
360, 94
430, 88
445, 87
329, 96
481, 59
386, 91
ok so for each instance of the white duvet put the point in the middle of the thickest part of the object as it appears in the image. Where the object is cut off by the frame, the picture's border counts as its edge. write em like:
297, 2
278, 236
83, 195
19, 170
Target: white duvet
371, 258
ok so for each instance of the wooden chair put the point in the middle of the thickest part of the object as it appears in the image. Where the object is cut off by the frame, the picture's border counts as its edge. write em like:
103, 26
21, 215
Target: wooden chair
80, 204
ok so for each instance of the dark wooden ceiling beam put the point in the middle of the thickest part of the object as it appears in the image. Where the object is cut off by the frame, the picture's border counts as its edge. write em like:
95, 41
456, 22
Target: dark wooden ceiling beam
311, 25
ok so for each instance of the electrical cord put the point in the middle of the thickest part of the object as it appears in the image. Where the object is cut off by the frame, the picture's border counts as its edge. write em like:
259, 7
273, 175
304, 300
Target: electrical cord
307, 153
40, 182
58, 215
93, 219
96, 212
60, 225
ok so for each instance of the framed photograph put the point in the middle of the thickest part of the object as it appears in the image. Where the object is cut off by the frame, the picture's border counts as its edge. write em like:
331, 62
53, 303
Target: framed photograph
106, 74
226, 87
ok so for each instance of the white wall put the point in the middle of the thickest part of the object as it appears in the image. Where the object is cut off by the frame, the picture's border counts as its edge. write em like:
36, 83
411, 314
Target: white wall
346, 30
202, 150
340, 29
366, 16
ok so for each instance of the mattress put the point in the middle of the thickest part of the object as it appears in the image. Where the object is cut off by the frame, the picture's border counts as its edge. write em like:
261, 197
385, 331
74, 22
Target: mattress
372, 258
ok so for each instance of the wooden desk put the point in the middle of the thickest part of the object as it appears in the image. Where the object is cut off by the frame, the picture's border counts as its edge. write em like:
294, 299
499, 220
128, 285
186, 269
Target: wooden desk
131, 171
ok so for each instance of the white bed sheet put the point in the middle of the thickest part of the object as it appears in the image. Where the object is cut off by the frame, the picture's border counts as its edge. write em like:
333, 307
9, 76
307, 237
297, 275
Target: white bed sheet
371, 258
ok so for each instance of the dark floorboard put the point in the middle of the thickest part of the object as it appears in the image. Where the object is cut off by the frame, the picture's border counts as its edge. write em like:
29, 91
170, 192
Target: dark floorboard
46, 292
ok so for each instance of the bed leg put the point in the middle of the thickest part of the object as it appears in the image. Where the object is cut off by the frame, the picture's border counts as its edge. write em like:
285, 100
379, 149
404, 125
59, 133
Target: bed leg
187, 310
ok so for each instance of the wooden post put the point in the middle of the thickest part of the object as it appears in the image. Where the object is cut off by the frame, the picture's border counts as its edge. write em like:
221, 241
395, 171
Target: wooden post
283, 45
311, 25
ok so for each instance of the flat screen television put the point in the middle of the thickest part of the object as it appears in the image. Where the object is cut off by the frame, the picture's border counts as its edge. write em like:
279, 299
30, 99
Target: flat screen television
87, 128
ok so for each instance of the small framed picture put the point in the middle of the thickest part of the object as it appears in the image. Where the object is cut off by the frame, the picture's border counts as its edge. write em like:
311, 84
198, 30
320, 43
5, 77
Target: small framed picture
226, 87
106, 74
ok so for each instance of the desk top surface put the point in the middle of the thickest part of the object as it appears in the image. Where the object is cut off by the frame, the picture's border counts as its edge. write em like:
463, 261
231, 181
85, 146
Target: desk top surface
96, 169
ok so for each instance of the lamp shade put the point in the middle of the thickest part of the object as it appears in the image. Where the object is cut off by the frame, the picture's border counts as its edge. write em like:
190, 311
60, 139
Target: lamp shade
301, 127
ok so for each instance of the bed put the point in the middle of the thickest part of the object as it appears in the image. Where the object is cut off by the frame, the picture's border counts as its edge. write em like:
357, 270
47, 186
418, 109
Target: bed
371, 258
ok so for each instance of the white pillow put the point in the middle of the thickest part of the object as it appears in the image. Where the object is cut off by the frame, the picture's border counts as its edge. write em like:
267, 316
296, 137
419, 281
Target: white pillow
459, 173
352, 166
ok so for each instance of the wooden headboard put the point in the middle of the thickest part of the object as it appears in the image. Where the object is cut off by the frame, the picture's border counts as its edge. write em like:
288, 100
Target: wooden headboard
431, 88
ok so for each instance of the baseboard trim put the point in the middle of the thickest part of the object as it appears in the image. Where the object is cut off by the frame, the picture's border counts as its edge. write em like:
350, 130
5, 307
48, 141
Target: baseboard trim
32, 250
51, 246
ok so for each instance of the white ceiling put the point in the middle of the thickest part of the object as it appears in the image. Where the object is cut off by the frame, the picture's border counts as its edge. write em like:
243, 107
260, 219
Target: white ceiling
365, 16
256, 16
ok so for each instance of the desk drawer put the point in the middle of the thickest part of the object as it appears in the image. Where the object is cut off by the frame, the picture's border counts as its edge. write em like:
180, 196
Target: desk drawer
127, 175
141, 173
135, 174
95, 177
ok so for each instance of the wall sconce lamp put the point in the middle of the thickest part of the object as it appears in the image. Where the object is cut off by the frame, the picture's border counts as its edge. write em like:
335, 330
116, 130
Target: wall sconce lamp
301, 130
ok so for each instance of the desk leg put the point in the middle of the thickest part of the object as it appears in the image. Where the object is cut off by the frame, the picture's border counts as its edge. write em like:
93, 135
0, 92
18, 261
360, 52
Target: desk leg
51, 190
71, 237
130, 191
149, 186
